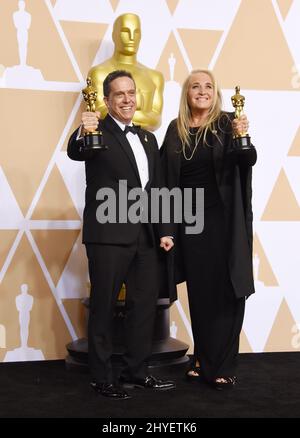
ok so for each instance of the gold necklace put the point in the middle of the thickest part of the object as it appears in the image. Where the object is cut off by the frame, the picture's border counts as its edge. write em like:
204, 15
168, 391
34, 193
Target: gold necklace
194, 150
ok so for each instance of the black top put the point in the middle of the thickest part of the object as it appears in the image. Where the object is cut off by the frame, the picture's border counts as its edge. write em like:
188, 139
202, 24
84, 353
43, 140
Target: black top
233, 178
198, 172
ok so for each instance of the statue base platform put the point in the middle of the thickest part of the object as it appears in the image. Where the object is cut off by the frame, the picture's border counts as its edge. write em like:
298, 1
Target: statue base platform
166, 351
242, 143
23, 76
23, 354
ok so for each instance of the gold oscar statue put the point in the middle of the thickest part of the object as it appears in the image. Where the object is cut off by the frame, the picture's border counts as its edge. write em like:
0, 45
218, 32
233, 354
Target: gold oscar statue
92, 140
149, 83
242, 140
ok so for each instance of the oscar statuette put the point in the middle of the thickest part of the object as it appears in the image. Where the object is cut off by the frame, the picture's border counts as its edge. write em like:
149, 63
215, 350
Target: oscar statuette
92, 140
243, 140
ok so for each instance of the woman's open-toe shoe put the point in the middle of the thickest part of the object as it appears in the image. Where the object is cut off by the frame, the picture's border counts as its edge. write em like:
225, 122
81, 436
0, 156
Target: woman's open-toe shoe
193, 373
223, 383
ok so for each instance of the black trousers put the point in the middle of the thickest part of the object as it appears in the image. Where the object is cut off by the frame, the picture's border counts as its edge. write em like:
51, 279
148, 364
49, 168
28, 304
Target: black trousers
110, 266
216, 314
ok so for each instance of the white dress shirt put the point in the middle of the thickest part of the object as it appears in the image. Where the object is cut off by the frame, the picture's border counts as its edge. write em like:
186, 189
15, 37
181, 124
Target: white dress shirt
138, 151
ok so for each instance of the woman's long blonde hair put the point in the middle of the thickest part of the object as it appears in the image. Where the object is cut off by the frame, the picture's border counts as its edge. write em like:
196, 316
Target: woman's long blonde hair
185, 115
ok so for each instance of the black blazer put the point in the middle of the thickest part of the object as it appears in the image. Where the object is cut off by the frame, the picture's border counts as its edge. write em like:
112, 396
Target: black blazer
234, 179
106, 169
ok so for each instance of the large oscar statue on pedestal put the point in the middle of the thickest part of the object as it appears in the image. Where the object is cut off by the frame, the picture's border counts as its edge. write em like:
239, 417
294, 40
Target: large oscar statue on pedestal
126, 36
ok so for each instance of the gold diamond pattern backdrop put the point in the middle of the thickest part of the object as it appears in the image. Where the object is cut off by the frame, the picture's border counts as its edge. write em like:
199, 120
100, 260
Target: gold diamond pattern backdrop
46, 52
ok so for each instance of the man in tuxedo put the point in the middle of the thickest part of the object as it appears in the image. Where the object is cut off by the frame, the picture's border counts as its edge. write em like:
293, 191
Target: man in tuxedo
120, 251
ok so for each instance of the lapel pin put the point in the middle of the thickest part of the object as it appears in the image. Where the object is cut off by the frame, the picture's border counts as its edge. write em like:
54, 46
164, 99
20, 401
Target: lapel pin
146, 138
214, 131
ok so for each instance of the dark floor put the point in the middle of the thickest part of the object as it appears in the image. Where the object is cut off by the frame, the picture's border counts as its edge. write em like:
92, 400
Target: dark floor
268, 386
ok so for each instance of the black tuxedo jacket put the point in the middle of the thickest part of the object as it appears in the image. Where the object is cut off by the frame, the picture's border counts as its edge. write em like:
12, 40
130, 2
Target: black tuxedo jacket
233, 172
105, 169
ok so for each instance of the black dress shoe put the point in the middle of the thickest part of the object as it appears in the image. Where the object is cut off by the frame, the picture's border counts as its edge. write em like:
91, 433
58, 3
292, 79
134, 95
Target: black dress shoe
110, 390
148, 382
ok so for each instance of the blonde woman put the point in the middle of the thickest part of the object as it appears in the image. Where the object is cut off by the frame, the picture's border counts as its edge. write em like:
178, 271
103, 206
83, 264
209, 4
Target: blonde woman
198, 152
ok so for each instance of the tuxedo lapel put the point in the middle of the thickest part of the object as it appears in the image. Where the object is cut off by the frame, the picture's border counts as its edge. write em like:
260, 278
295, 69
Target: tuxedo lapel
117, 132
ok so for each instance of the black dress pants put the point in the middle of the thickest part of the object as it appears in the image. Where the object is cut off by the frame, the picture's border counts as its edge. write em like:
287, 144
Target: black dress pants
109, 267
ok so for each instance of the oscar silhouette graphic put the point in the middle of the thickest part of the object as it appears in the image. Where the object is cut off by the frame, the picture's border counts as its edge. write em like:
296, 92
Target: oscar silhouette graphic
24, 304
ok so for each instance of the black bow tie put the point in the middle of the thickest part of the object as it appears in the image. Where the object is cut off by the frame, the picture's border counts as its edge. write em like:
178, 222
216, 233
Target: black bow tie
133, 129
